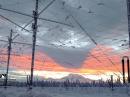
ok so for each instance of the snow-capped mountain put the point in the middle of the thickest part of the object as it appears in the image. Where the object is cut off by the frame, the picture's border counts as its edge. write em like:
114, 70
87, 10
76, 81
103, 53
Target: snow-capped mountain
71, 78
76, 77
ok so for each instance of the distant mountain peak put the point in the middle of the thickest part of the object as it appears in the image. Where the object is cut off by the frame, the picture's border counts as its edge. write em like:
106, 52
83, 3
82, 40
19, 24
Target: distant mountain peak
76, 77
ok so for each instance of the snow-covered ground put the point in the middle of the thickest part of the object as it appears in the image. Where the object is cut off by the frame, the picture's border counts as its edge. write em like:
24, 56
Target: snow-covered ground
62, 92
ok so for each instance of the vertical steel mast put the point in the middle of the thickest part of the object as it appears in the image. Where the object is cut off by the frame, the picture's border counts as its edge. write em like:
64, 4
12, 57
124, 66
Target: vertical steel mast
128, 13
34, 27
128, 68
8, 61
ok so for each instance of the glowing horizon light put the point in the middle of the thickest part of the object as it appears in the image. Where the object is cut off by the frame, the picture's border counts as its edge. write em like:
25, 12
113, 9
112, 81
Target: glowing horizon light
59, 75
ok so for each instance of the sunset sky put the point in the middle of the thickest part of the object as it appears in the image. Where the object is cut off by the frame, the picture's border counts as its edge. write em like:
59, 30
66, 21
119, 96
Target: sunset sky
64, 48
96, 67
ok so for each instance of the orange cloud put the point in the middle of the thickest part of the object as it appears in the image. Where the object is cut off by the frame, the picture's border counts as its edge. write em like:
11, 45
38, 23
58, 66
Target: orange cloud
98, 62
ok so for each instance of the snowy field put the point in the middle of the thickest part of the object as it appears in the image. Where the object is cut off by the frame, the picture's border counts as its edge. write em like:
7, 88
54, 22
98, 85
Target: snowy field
62, 92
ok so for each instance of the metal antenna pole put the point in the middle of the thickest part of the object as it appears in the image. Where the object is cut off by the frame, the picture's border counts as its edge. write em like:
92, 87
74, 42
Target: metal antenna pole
128, 13
8, 61
123, 70
128, 70
34, 27
112, 85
